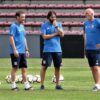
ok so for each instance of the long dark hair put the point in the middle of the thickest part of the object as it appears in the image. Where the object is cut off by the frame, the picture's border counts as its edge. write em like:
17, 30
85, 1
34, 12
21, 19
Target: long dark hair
50, 13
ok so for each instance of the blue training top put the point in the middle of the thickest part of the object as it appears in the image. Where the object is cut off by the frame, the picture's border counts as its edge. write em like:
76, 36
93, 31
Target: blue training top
92, 30
52, 44
18, 32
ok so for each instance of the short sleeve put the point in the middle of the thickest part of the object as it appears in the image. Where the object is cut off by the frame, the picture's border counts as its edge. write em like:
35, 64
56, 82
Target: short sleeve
60, 26
43, 29
12, 30
23, 27
98, 22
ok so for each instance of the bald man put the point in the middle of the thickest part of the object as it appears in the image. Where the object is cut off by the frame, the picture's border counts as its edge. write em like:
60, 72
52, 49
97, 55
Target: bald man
92, 45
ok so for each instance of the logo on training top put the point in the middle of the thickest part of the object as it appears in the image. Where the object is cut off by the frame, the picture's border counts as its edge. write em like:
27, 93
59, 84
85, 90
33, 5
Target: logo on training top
92, 26
48, 28
21, 30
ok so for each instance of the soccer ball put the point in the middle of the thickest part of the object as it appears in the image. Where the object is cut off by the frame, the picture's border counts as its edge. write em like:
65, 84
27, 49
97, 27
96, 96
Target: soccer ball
8, 78
34, 78
38, 78
60, 79
20, 80
16, 79
30, 78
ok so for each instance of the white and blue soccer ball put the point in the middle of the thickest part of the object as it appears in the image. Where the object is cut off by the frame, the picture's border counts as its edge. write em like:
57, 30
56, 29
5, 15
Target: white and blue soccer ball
16, 79
8, 78
20, 80
38, 78
60, 79
34, 78
30, 78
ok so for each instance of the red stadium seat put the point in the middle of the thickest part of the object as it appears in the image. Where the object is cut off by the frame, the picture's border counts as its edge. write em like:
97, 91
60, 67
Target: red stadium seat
3, 14
73, 32
77, 24
37, 24
49, 6
66, 15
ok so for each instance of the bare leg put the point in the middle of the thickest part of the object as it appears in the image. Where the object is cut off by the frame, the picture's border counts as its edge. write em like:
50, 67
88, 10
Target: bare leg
42, 74
96, 74
13, 77
57, 74
13, 74
24, 74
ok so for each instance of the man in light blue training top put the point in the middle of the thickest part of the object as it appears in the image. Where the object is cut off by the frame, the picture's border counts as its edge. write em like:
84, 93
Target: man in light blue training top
18, 50
51, 32
92, 45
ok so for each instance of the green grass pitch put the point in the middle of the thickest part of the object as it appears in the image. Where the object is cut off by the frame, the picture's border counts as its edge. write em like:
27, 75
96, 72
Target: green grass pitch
77, 82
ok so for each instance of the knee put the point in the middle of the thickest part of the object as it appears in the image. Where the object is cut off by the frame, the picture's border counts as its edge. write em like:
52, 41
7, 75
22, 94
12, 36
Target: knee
24, 70
57, 68
14, 69
95, 69
44, 68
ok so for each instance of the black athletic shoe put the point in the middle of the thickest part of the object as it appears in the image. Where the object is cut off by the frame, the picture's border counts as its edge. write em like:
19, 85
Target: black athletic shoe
42, 87
27, 89
15, 89
59, 87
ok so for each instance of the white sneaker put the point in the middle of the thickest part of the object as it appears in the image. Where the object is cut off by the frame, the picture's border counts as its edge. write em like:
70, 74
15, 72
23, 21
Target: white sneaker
30, 88
13, 85
95, 88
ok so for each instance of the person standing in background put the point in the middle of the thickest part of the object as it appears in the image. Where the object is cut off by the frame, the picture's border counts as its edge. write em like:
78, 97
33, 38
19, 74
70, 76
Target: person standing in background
51, 32
18, 50
92, 45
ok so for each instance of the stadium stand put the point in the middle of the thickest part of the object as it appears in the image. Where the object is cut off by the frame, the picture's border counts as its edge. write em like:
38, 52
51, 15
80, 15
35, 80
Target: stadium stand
49, 6
68, 11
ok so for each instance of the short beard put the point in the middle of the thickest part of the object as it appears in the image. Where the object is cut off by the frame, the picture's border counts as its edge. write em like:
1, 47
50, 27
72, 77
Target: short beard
51, 21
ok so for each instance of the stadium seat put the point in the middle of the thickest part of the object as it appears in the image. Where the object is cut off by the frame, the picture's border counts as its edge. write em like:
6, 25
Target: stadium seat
43, 15
36, 24
49, 6
74, 32
72, 24
39, 23
34, 20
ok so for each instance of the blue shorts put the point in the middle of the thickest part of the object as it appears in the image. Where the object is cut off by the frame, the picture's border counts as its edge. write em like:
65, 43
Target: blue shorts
93, 57
49, 56
19, 62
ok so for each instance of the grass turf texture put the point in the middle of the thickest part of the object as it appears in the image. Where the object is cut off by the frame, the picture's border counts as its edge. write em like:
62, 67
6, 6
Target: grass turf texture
77, 83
